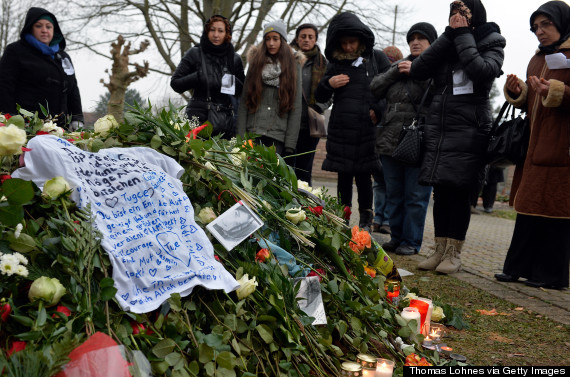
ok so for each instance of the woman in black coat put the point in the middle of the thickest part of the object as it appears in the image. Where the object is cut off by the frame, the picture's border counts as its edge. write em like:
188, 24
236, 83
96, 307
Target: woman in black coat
464, 61
353, 63
222, 65
36, 71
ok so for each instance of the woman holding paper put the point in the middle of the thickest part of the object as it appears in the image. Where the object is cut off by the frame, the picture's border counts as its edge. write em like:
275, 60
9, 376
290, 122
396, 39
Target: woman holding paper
540, 247
220, 76
463, 62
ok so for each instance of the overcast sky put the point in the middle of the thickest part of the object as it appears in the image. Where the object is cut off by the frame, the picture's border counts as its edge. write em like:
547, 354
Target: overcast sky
511, 15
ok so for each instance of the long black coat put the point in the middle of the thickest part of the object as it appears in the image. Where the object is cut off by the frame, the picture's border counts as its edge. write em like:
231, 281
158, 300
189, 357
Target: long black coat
30, 78
351, 134
189, 76
457, 127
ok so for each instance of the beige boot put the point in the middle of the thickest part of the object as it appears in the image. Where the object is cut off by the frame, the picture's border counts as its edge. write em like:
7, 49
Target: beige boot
451, 262
435, 258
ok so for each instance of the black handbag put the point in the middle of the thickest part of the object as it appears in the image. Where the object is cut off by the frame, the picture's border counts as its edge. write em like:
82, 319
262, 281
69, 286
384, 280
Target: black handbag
410, 142
509, 138
220, 116
316, 121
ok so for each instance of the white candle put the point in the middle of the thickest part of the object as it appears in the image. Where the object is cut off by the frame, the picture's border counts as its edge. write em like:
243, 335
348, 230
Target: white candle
368, 372
384, 368
410, 313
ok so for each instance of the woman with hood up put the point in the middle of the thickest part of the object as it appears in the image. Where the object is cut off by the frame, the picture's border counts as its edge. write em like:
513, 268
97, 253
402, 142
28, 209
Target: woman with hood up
353, 63
222, 64
271, 101
463, 62
540, 247
36, 71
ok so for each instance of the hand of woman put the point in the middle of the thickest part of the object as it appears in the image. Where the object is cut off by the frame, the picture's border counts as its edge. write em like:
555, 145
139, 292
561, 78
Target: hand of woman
513, 84
457, 20
338, 81
540, 86
404, 67
373, 117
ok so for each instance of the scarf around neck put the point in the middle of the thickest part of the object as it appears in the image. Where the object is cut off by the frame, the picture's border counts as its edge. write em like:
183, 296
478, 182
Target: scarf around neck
271, 72
317, 71
43, 48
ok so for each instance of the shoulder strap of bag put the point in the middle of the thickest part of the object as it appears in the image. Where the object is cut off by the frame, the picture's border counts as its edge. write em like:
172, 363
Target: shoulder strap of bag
205, 74
503, 113
418, 109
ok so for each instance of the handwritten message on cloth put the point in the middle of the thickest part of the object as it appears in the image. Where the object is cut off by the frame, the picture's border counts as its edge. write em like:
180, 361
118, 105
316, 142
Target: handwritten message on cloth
146, 219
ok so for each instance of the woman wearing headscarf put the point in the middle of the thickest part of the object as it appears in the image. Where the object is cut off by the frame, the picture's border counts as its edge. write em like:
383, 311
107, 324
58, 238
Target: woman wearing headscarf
306, 38
36, 71
463, 62
353, 63
540, 247
407, 200
270, 105
222, 64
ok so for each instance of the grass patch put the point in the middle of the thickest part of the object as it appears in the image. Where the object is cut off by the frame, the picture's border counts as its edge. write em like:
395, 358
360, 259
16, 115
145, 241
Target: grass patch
509, 214
514, 337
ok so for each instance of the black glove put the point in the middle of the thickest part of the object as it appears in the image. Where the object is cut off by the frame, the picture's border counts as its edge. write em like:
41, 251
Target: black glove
288, 152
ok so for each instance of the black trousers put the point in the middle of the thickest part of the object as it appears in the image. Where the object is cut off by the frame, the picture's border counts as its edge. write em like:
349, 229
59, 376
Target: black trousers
540, 250
363, 187
451, 211
303, 165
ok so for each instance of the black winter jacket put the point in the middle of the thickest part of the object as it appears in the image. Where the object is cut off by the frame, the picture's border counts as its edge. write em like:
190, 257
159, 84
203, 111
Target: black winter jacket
351, 134
190, 76
30, 78
397, 89
457, 128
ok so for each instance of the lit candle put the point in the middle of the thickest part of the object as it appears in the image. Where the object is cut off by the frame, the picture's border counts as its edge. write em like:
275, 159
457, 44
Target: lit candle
368, 372
384, 368
427, 321
434, 334
410, 313
446, 350
427, 341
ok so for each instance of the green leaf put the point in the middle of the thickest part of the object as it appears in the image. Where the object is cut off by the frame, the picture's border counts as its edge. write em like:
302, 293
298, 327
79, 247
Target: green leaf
235, 346
180, 373
173, 359
404, 332
168, 150
29, 336
231, 322
175, 302
342, 327
18, 191
107, 282
42, 316
108, 293
160, 367
18, 121
26, 321
164, 347
155, 142
206, 353
226, 360
265, 332
23, 244
11, 215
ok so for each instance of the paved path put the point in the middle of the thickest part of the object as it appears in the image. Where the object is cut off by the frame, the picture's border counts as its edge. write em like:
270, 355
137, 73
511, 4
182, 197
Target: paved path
486, 245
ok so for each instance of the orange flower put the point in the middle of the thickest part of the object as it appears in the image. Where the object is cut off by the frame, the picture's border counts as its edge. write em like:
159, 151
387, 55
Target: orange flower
370, 271
361, 240
263, 255
245, 143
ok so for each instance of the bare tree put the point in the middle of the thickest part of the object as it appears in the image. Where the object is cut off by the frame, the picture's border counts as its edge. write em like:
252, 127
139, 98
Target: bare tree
120, 77
174, 26
12, 14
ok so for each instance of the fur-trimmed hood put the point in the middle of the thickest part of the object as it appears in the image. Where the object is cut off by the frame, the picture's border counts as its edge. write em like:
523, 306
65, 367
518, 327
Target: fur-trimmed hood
299, 56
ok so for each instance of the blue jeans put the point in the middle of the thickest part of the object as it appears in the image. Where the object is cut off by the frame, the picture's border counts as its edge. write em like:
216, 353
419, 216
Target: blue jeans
380, 207
407, 202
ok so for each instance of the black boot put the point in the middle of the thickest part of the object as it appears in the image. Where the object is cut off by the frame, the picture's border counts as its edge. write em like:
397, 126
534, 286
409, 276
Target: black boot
366, 217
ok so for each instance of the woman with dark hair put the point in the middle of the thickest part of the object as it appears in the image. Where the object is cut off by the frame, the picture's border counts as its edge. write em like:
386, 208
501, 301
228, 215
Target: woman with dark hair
540, 247
306, 38
353, 63
36, 71
271, 101
407, 200
222, 65
463, 62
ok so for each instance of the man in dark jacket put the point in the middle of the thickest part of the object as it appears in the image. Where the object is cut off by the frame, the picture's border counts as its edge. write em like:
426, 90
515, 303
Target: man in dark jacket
464, 61
36, 71
353, 63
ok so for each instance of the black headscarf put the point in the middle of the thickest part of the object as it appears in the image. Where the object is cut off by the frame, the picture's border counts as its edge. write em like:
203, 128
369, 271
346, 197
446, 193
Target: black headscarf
559, 13
477, 11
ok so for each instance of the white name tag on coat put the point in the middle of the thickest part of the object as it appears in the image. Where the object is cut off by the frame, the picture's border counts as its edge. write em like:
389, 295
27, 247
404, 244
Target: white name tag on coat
358, 62
461, 83
557, 61
67, 66
228, 84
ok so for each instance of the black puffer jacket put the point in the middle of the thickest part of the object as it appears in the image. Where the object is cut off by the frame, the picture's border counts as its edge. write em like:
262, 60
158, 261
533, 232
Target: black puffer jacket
189, 75
30, 78
397, 89
351, 134
457, 128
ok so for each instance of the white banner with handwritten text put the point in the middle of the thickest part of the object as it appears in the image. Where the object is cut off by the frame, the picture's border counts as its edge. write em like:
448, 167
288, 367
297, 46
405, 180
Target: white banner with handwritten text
146, 219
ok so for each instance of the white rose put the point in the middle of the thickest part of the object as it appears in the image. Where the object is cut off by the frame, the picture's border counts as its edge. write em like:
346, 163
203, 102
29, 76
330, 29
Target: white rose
318, 192
52, 128
2, 118
411, 296
207, 215
12, 139
210, 166
55, 187
437, 314
238, 157
104, 125
304, 186
46, 289
247, 286
295, 215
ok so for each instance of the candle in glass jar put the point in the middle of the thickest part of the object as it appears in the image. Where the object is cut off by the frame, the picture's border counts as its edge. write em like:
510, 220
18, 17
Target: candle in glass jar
384, 368
410, 313
368, 372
